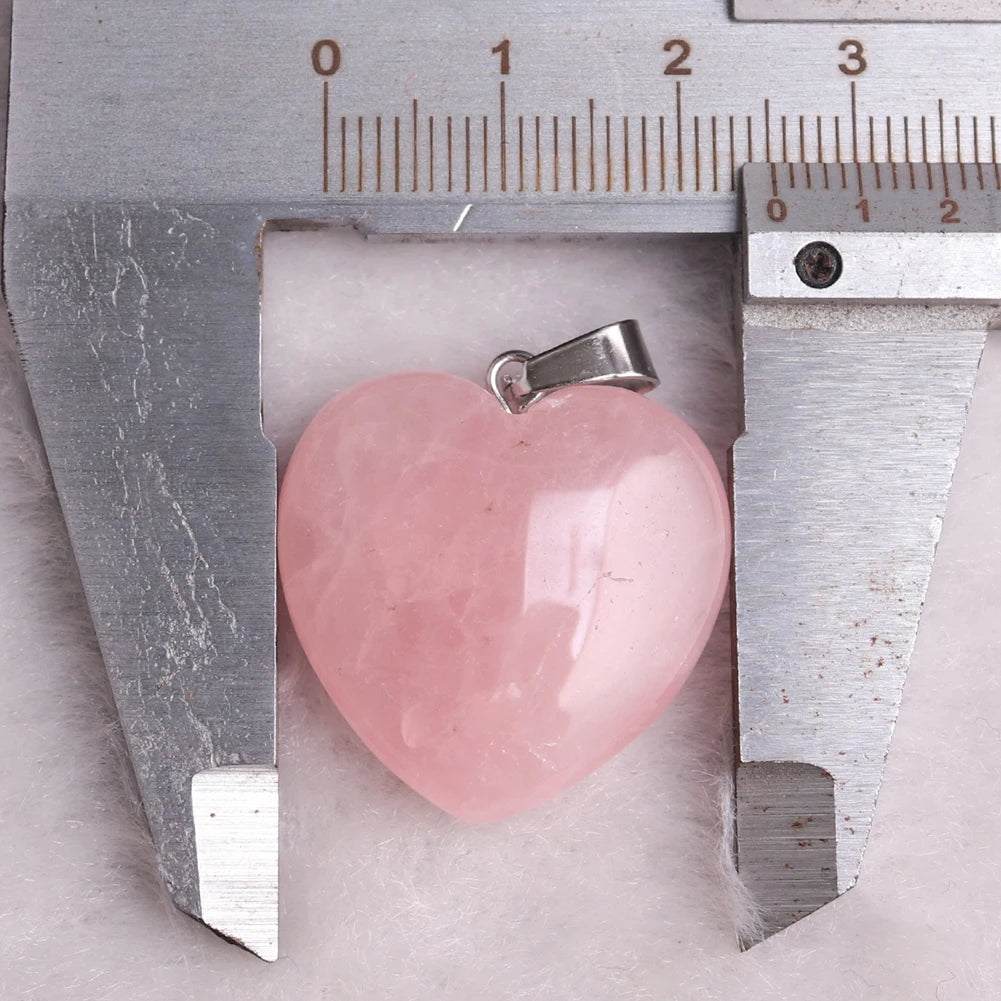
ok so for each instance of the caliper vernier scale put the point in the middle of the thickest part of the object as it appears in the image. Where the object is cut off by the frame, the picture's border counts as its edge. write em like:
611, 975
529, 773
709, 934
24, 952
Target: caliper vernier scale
149, 149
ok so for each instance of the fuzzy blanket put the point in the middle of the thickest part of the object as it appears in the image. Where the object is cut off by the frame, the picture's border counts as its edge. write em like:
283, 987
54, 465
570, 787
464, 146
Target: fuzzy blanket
620, 889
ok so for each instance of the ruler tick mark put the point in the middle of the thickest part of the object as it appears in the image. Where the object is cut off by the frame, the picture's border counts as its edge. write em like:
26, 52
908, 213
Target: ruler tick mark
733, 157
715, 157
590, 115
573, 150
608, 152
396, 134
924, 151
431, 153
889, 152
469, 155
416, 145
361, 154
448, 130
326, 136
625, 152
646, 165
681, 149
994, 152
768, 131
959, 153
854, 121
976, 152
538, 153
344, 153
556, 153
486, 155
663, 157
941, 140
503, 136
907, 153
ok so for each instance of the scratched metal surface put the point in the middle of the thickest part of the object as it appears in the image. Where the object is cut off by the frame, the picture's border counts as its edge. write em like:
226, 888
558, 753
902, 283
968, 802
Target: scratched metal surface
139, 331
840, 485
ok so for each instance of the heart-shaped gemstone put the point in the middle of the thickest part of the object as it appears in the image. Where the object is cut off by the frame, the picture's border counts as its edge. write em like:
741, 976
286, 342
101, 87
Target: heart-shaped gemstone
499, 603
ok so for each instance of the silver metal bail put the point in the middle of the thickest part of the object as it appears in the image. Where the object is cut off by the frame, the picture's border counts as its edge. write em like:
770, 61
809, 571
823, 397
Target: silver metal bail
609, 356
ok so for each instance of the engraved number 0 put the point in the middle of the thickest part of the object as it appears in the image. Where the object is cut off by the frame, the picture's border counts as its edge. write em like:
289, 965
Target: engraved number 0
777, 210
326, 57
855, 63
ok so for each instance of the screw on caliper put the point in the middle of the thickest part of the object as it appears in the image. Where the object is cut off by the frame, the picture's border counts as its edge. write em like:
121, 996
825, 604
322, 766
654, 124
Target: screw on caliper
819, 265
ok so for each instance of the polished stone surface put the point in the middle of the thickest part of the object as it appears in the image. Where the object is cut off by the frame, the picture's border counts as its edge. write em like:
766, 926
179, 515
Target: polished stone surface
498, 604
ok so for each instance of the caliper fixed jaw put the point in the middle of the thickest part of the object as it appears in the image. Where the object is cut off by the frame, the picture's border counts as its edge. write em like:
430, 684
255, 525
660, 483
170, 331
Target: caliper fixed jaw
138, 327
854, 415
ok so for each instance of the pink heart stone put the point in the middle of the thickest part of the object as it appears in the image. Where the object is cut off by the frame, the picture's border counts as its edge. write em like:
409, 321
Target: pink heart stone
499, 603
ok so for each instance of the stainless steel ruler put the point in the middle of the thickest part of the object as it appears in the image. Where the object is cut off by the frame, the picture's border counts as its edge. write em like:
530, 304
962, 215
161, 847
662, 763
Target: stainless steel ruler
662, 119
149, 148
535, 106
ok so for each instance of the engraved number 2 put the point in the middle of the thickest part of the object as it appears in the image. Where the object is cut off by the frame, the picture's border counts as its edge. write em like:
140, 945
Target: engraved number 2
677, 67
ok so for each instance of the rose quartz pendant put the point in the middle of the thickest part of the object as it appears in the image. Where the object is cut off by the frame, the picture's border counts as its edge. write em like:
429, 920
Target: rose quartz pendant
496, 602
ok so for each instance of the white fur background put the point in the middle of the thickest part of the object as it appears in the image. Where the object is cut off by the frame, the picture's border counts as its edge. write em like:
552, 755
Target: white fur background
614, 891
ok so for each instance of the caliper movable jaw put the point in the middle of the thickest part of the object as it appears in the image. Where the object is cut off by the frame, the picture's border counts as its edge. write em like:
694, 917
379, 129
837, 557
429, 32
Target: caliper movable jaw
854, 414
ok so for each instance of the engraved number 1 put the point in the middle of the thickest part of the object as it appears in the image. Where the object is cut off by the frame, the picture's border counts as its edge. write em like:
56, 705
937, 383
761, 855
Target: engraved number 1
504, 51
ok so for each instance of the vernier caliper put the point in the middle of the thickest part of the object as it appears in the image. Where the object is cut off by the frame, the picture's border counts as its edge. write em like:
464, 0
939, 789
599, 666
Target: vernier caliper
150, 146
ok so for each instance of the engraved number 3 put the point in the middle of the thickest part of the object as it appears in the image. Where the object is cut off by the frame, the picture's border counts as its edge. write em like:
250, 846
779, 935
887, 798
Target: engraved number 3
855, 63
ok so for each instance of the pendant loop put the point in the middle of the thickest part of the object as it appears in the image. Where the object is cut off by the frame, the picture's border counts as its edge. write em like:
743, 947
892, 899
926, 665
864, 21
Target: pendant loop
614, 355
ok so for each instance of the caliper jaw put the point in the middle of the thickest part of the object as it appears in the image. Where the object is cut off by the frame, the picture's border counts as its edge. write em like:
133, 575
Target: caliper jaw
139, 330
854, 416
